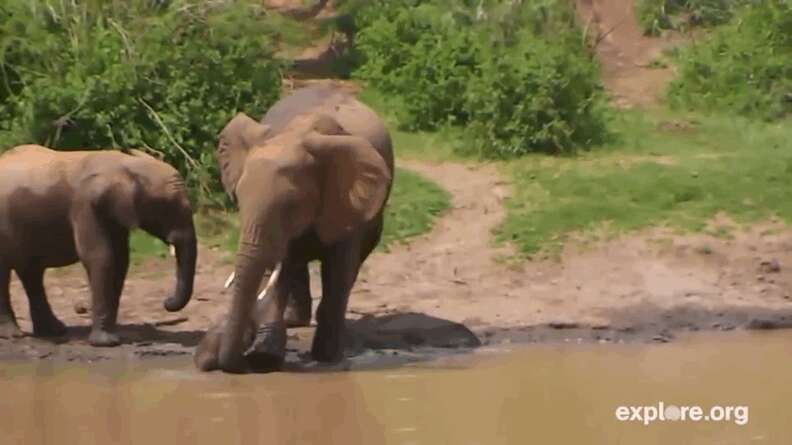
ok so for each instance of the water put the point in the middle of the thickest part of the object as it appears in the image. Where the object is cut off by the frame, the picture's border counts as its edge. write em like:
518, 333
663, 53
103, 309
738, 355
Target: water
543, 395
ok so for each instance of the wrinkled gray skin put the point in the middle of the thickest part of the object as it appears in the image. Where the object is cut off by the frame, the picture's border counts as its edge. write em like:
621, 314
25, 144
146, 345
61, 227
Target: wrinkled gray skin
57, 208
311, 181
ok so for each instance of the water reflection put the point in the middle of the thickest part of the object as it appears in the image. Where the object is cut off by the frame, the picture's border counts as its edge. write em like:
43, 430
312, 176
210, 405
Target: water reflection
546, 394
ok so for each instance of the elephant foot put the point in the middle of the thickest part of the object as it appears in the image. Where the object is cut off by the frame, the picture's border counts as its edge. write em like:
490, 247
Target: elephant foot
102, 338
9, 329
269, 348
50, 328
326, 350
297, 317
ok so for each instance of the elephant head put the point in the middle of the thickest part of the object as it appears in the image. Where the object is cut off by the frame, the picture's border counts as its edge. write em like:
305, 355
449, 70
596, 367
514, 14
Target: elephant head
161, 207
310, 176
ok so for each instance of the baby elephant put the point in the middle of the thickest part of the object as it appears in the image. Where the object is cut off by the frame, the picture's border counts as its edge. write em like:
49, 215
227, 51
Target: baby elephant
60, 207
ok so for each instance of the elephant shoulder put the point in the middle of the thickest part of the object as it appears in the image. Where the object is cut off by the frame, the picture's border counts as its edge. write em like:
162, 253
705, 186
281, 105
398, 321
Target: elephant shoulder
100, 179
112, 194
28, 152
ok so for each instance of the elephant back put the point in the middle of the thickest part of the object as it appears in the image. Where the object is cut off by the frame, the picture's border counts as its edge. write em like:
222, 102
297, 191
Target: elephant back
354, 117
298, 102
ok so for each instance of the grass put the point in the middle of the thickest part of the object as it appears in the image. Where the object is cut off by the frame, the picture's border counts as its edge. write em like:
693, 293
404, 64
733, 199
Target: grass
143, 247
414, 204
667, 169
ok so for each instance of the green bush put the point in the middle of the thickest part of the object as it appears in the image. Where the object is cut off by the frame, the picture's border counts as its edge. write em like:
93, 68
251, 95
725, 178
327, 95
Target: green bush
657, 15
517, 75
532, 92
160, 75
745, 66
421, 54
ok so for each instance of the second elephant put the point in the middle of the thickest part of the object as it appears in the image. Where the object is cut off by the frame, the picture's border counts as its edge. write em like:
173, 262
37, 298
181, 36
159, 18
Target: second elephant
60, 207
311, 182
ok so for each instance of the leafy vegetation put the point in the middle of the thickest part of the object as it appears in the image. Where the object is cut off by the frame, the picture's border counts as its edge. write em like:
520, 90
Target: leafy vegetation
667, 169
658, 15
516, 75
744, 66
163, 76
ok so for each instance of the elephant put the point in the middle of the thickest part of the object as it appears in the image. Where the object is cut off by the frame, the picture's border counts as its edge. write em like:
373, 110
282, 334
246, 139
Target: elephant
60, 207
311, 181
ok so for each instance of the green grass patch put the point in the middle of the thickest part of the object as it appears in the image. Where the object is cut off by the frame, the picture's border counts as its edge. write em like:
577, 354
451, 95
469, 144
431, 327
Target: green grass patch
668, 169
414, 204
143, 246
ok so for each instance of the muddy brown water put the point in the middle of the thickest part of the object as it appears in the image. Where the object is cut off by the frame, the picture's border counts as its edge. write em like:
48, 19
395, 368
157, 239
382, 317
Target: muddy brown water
563, 394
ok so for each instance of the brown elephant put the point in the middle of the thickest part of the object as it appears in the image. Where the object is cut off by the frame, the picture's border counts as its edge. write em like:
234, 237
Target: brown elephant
311, 182
60, 207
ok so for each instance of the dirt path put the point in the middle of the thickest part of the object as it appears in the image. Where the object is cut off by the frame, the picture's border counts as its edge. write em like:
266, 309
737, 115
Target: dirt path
625, 53
645, 286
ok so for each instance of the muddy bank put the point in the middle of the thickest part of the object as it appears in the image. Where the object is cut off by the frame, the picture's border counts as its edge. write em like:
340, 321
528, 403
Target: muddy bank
392, 340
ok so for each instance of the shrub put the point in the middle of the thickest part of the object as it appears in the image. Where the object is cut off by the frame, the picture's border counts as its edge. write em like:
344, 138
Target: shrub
534, 93
745, 66
657, 15
516, 74
160, 75
423, 55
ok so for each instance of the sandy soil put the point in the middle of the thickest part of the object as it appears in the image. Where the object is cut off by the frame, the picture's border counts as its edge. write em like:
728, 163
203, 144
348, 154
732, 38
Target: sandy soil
647, 286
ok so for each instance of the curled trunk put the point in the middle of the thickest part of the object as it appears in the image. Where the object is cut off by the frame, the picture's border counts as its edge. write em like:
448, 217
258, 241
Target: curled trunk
186, 256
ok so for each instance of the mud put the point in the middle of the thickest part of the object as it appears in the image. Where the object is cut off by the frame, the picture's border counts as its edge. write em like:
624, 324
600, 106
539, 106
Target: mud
537, 394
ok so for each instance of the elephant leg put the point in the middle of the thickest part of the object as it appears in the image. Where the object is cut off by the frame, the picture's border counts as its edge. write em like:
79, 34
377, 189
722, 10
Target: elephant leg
269, 345
298, 306
8, 325
45, 323
120, 246
339, 272
98, 246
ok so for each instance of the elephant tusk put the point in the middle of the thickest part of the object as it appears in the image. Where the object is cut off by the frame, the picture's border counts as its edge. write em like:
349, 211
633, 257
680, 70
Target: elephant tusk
273, 278
172, 250
230, 280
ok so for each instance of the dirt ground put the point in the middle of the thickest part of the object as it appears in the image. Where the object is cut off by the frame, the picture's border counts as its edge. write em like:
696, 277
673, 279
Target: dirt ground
625, 53
647, 286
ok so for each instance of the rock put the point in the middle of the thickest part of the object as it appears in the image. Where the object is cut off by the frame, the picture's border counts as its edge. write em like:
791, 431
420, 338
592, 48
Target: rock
80, 307
407, 330
563, 325
770, 266
763, 324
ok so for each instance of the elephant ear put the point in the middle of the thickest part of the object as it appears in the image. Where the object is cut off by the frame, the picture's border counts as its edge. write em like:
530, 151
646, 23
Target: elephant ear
237, 138
355, 183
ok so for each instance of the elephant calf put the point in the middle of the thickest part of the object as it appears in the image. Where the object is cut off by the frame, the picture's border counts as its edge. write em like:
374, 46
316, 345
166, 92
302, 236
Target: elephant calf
60, 207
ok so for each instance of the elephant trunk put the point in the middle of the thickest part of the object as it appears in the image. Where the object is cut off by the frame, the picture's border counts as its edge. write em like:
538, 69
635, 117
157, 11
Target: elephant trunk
186, 256
252, 264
